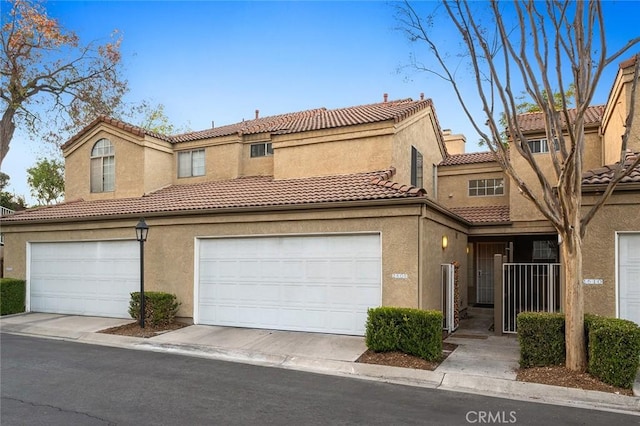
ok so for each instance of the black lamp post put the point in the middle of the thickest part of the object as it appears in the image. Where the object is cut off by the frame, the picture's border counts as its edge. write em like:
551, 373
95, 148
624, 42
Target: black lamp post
142, 230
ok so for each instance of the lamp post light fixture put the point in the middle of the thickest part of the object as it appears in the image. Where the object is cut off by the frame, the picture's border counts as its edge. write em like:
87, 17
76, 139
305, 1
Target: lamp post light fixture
142, 230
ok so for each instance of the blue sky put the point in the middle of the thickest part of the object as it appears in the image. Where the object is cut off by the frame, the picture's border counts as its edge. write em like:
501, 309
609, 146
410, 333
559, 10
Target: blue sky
220, 61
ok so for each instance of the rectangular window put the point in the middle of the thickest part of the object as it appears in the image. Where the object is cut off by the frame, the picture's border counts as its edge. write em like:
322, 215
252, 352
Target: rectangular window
103, 176
191, 163
545, 250
541, 145
416, 168
484, 187
261, 149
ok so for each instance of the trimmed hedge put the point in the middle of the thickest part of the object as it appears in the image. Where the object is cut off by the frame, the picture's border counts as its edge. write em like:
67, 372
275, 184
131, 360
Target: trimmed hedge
12, 296
613, 345
159, 308
541, 338
412, 331
614, 351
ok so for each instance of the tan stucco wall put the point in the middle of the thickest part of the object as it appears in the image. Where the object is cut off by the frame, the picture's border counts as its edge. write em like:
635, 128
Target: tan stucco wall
157, 164
455, 143
522, 208
128, 173
615, 115
141, 165
256, 166
169, 251
435, 227
599, 250
420, 132
453, 185
222, 160
335, 151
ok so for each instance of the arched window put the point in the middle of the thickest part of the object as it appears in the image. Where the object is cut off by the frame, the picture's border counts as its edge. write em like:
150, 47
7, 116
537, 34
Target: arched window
103, 167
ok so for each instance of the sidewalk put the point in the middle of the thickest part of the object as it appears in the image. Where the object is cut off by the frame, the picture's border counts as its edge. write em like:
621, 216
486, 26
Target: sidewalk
481, 364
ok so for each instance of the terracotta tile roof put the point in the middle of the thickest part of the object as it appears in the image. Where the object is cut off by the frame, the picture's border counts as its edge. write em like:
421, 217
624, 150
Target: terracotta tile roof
534, 121
135, 130
483, 214
260, 191
315, 119
629, 62
469, 158
603, 175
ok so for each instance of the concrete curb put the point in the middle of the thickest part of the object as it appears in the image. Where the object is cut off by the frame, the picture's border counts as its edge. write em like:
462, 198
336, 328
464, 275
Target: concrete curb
456, 382
536, 392
450, 381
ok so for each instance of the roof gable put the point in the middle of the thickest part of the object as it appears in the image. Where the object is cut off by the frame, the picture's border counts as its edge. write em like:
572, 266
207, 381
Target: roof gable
130, 128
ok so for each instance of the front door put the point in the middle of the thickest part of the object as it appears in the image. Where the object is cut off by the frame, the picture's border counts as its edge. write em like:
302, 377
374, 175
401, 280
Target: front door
484, 270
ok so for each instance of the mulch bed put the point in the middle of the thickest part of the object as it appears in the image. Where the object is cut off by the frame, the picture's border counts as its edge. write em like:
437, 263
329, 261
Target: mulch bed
561, 376
400, 359
134, 329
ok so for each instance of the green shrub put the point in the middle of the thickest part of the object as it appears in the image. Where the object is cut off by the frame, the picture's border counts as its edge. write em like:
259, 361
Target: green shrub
159, 308
12, 296
541, 338
383, 329
412, 331
614, 350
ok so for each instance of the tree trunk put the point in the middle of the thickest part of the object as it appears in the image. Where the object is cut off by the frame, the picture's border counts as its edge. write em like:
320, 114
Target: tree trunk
7, 127
571, 248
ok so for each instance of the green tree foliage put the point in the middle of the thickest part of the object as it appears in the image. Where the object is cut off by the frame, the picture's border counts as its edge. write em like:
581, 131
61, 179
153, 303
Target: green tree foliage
153, 118
7, 199
46, 179
52, 84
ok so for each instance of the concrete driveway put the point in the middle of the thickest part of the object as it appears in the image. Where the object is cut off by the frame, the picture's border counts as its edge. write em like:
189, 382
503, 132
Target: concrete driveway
231, 340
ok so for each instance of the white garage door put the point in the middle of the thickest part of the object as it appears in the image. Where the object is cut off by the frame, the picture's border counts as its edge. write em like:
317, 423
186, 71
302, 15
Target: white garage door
84, 278
629, 276
303, 283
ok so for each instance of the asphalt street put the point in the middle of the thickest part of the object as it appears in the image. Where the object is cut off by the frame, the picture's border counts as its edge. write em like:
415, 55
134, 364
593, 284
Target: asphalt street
54, 382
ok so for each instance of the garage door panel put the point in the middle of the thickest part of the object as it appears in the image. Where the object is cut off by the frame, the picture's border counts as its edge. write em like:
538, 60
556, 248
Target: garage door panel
628, 273
83, 278
319, 283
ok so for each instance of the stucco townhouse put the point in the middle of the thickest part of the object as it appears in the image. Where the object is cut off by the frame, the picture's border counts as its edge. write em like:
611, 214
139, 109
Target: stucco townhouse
302, 221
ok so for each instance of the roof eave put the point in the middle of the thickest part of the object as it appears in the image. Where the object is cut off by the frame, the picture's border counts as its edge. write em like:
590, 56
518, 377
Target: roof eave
227, 210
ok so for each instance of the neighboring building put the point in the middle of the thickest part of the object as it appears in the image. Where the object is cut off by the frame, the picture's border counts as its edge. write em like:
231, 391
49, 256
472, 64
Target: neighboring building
302, 221
503, 221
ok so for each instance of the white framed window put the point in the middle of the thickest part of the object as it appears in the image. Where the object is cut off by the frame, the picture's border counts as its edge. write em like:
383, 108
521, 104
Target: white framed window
540, 145
261, 149
191, 163
484, 187
103, 167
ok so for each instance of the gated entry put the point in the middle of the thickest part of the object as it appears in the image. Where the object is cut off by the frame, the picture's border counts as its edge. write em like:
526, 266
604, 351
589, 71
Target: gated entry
533, 287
